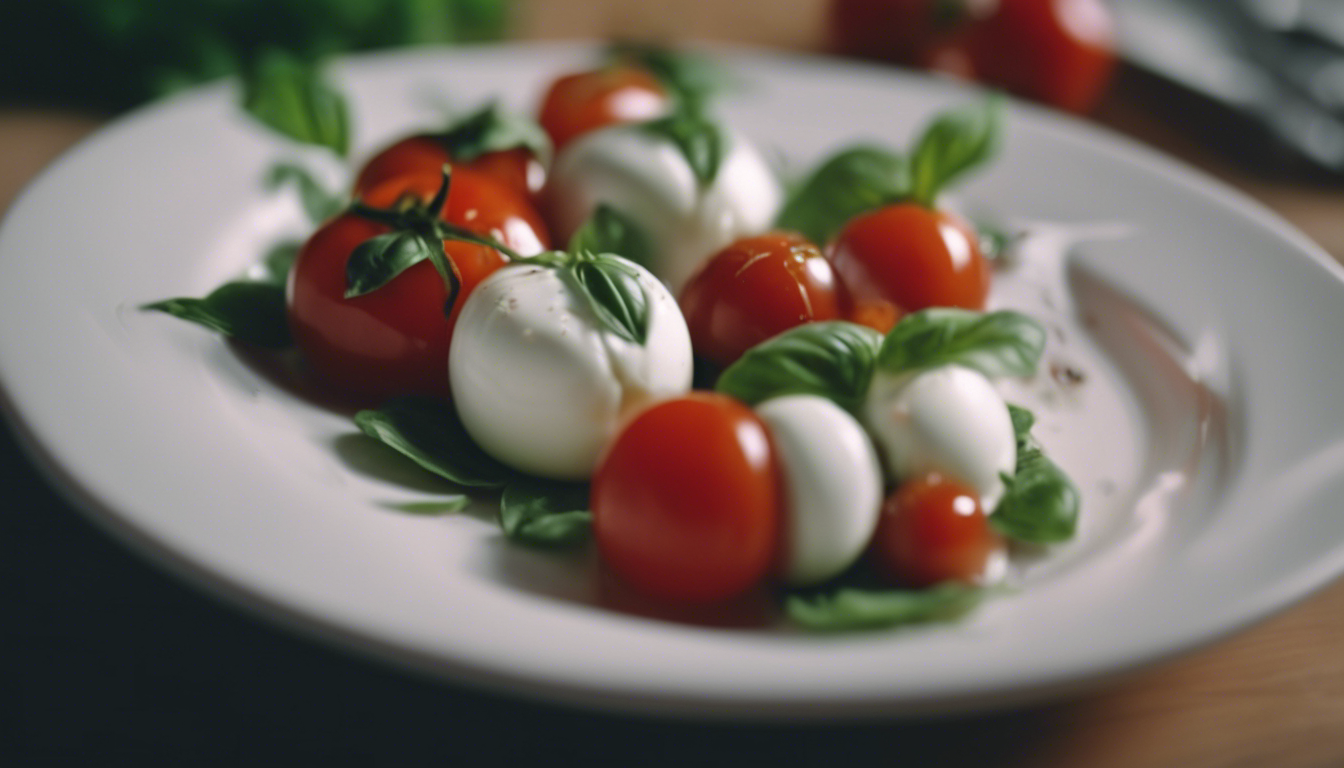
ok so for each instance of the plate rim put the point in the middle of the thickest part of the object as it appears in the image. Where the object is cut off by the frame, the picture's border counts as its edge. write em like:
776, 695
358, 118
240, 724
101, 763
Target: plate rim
221, 587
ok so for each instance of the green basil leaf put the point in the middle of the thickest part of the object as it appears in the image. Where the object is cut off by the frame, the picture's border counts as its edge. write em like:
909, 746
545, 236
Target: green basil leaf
543, 512
699, 139
610, 231
445, 506
996, 343
491, 129
956, 142
851, 182
833, 359
851, 608
290, 96
1041, 504
279, 262
995, 241
428, 431
1023, 421
249, 312
690, 78
318, 203
615, 294
376, 261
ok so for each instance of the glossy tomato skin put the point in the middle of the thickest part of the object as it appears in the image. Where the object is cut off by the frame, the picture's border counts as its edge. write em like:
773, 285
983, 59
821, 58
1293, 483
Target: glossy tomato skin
1060, 52
686, 503
906, 257
394, 340
755, 288
427, 154
932, 530
584, 101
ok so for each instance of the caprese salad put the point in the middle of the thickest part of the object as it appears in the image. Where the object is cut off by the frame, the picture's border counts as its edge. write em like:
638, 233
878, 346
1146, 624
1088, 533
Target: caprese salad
618, 318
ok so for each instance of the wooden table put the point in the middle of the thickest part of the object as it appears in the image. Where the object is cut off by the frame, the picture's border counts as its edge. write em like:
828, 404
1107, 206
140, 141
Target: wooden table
1272, 695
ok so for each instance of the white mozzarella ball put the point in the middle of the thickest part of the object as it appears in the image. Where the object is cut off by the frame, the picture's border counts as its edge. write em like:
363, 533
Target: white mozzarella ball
541, 385
832, 485
948, 419
647, 178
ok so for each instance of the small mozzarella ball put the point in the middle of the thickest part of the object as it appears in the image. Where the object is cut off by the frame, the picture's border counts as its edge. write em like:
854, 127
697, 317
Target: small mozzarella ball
541, 385
948, 419
832, 485
646, 177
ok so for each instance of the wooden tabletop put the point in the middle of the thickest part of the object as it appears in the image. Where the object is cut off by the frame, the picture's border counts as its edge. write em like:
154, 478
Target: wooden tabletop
1271, 695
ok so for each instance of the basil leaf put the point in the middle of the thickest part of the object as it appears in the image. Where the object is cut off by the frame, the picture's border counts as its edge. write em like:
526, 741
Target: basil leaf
690, 78
491, 129
428, 431
614, 293
249, 312
445, 506
851, 182
1041, 504
851, 608
279, 262
995, 242
289, 95
953, 144
833, 359
610, 231
318, 203
548, 513
699, 139
996, 344
1023, 421
376, 261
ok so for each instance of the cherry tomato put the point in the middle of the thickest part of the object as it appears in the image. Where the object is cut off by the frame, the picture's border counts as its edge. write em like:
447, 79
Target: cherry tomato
906, 257
426, 154
756, 288
1060, 52
394, 340
584, 101
686, 501
932, 530
911, 32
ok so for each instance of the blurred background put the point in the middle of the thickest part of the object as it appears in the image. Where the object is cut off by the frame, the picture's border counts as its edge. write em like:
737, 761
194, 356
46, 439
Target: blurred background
110, 662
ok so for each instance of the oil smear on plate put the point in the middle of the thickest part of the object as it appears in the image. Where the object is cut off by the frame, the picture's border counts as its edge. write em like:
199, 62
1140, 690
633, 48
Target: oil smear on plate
1120, 402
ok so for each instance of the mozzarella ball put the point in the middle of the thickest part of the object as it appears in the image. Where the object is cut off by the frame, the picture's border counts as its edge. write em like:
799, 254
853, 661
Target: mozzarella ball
541, 385
832, 485
948, 419
646, 177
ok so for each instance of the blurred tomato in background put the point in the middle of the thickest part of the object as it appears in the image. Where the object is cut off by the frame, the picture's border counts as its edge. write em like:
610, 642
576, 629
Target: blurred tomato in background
1060, 52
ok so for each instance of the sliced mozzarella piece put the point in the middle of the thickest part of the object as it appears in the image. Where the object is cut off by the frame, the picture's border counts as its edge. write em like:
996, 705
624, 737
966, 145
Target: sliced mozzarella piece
832, 484
541, 385
646, 177
948, 419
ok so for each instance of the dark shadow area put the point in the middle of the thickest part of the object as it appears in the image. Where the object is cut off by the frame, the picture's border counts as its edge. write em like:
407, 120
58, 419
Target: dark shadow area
113, 663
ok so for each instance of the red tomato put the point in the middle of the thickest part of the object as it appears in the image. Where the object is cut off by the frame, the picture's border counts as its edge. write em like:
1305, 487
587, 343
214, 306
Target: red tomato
1060, 52
394, 340
756, 288
932, 530
686, 502
584, 101
906, 257
425, 153
912, 32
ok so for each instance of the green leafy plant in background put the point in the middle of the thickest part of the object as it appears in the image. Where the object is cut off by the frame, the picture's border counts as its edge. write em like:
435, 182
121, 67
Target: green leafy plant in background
113, 54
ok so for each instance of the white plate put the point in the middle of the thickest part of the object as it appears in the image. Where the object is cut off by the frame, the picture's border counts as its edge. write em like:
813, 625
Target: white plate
1206, 437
